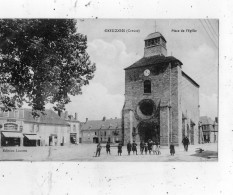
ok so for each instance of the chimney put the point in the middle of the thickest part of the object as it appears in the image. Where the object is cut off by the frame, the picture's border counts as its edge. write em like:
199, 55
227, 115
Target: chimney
66, 115
86, 119
104, 118
76, 116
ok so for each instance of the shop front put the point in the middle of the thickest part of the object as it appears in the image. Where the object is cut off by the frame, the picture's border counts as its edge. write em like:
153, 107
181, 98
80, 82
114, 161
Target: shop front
11, 138
31, 140
53, 140
73, 138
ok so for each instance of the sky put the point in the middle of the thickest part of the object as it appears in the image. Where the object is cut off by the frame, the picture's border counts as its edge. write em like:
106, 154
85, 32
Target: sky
114, 51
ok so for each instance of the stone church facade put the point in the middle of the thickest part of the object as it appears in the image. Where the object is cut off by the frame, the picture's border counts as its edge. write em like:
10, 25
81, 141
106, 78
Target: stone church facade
161, 101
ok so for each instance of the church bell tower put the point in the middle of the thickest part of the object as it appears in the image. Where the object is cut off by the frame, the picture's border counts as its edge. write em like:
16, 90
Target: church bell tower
152, 96
155, 44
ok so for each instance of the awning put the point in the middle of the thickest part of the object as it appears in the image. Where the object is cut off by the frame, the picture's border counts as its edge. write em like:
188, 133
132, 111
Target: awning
192, 123
32, 136
13, 134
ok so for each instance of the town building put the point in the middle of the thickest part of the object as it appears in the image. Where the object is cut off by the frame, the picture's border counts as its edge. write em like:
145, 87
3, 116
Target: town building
161, 100
74, 126
20, 128
95, 131
209, 129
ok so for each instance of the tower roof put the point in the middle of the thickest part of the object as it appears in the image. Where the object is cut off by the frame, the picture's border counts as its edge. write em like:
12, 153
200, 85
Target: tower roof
153, 60
154, 35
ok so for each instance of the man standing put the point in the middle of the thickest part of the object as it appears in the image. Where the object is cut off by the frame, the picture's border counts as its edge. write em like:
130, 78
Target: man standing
129, 146
134, 147
185, 142
141, 147
146, 147
119, 149
98, 149
108, 148
172, 149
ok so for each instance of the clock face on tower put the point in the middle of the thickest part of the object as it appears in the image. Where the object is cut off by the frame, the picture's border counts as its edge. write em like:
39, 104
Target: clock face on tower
146, 72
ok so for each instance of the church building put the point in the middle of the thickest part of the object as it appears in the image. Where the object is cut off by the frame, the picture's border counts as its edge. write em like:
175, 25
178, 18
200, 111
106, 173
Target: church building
161, 101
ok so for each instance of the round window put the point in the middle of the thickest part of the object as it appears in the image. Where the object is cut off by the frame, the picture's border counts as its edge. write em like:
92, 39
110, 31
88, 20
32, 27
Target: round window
146, 107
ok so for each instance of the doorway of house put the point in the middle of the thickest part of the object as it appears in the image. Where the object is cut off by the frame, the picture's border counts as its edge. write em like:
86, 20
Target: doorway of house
95, 140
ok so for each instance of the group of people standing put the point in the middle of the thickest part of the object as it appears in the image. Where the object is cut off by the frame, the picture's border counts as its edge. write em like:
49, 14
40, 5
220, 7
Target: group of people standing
151, 147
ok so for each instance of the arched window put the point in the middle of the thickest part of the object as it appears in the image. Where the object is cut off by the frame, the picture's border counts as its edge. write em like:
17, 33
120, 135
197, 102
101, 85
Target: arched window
147, 86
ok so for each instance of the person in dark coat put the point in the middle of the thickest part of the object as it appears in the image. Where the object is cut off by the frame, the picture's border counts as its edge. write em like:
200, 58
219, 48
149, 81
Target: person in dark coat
98, 149
186, 143
150, 143
108, 148
129, 147
134, 147
172, 149
119, 149
146, 147
141, 147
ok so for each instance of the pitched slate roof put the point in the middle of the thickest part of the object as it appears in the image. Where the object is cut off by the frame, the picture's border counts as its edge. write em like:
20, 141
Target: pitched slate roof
153, 60
205, 120
50, 117
154, 35
100, 124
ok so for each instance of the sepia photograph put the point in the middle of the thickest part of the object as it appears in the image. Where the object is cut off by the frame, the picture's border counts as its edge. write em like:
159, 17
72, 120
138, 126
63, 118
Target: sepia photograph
109, 90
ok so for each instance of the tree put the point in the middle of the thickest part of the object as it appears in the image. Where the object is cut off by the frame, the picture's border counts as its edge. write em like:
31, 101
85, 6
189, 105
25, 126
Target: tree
42, 61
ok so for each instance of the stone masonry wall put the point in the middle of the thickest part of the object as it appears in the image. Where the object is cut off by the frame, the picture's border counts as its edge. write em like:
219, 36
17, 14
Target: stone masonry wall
176, 113
190, 106
160, 90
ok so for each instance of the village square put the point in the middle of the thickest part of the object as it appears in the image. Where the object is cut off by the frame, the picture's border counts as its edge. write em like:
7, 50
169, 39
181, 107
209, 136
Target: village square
159, 119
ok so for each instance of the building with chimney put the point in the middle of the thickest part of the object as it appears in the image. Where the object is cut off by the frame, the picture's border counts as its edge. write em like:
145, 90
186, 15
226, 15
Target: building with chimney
20, 128
209, 129
101, 131
74, 127
161, 100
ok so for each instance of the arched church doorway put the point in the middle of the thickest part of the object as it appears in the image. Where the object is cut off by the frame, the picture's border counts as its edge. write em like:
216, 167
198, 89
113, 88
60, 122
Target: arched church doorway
149, 130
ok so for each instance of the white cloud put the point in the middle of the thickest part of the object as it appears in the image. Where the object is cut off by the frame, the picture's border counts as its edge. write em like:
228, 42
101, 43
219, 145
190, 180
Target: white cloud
96, 102
104, 96
202, 65
111, 59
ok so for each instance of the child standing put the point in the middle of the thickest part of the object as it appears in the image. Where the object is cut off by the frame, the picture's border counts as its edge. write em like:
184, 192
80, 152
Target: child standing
153, 147
157, 149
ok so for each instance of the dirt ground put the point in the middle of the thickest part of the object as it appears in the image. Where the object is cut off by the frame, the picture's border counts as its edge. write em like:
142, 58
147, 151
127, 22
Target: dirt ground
86, 152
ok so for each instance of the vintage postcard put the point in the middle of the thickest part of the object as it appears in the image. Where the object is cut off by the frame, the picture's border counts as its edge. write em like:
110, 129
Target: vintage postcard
109, 90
